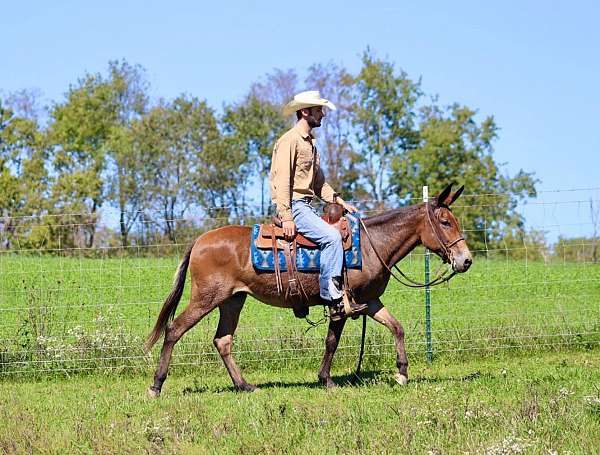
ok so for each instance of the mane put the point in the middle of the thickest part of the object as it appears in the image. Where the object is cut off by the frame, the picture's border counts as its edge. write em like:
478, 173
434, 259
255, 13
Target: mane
389, 216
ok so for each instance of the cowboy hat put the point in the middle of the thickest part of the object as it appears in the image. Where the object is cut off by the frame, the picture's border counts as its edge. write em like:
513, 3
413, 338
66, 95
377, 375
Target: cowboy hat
306, 99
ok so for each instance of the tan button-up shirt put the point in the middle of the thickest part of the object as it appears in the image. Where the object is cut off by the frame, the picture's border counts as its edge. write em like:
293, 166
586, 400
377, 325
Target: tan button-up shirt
295, 172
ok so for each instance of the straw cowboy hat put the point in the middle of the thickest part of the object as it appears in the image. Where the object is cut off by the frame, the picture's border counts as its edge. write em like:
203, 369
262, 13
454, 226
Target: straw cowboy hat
306, 99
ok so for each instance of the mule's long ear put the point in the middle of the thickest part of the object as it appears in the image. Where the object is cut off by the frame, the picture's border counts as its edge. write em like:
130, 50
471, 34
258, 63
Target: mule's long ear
443, 196
454, 196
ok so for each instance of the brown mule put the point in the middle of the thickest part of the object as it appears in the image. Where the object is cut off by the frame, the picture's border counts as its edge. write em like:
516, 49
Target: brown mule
222, 275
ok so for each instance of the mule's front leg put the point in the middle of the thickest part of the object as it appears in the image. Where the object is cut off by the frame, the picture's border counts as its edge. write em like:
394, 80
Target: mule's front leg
380, 313
334, 333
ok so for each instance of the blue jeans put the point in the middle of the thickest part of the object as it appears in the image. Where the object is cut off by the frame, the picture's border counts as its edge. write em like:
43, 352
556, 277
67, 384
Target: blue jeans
310, 225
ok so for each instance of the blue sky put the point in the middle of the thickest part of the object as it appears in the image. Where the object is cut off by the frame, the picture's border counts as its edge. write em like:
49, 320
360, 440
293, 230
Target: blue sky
534, 66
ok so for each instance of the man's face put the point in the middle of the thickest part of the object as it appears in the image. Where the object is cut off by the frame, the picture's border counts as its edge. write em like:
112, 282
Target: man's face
315, 114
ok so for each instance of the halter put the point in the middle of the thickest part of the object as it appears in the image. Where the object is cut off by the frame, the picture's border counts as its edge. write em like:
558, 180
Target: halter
446, 248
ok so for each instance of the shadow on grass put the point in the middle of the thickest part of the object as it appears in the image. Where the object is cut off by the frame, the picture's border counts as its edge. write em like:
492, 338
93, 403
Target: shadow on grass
366, 378
477, 375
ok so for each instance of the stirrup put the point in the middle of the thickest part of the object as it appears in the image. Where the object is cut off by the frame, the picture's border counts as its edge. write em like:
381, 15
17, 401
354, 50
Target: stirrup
351, 308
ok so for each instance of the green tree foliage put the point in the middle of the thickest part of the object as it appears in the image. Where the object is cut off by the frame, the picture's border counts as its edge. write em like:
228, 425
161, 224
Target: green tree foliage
156, 162
453, 147
24, 178
126, 184
79, 131
252, 127
577, 249
177, 143
530, 245
334, 137
384, 124
93, 155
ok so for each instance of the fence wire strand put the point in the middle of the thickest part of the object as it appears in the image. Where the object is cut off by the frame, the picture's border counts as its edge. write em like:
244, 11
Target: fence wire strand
67, 307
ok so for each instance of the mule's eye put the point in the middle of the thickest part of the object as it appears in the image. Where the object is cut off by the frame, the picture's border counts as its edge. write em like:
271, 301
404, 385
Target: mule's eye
445, 222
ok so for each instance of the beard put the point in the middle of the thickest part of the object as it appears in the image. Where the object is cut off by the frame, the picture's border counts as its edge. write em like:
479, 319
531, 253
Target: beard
313, 122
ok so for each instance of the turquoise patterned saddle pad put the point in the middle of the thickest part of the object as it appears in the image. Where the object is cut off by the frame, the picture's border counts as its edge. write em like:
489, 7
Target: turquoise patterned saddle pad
307, 259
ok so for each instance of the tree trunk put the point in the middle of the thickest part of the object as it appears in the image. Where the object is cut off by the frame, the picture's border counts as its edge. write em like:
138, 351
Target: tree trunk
124, 230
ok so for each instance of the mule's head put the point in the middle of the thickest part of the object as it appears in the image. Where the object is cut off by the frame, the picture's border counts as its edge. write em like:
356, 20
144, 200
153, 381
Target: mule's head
441, 231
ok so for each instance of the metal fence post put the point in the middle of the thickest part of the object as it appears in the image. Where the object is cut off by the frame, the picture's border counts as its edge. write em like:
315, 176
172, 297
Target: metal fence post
427, 294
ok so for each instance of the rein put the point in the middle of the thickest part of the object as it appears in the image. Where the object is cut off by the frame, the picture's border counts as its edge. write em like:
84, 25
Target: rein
441, 278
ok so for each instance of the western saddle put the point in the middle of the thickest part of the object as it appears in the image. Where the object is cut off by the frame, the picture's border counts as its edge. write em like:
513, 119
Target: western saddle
272, 236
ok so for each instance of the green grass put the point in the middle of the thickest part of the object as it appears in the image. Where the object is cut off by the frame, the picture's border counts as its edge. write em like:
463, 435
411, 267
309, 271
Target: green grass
65, 314
504, 404
516, 366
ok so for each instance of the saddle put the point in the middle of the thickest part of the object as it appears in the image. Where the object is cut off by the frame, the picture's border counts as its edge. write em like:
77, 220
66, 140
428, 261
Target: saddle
332, 214
271, 236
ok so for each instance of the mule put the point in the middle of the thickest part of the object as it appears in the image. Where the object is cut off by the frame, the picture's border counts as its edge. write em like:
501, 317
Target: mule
222, 275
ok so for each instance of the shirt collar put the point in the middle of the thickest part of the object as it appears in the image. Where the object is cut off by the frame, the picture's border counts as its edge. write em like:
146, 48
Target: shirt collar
302, 133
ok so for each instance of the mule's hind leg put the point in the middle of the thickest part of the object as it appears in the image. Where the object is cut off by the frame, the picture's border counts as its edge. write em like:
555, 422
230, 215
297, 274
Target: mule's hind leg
229, 315
380, 313
334, 333
199, 306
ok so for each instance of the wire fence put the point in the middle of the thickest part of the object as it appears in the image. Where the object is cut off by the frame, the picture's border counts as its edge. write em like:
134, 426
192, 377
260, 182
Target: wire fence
66, 307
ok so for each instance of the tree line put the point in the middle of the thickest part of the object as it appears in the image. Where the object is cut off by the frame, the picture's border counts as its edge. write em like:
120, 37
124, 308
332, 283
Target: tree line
155, 163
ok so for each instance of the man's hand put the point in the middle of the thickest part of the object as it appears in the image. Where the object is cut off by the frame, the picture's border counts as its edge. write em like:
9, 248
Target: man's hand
349, 207
289, 229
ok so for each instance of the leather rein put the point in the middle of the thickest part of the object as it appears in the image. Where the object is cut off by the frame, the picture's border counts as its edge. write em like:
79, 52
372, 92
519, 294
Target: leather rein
448, 257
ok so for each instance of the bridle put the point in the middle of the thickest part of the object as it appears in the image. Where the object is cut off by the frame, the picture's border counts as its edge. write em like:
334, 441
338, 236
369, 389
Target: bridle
439, 279
448, 257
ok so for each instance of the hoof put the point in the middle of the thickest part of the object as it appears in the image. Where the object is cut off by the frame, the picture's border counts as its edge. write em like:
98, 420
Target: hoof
153, 393
400, 379
245, 387
328, 383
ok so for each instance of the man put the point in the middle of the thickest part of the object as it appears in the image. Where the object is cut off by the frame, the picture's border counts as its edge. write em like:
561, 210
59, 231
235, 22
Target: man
295, 179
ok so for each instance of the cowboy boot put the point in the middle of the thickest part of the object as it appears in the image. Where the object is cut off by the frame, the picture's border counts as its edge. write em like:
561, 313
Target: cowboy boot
336, 309
345, 304
351, 307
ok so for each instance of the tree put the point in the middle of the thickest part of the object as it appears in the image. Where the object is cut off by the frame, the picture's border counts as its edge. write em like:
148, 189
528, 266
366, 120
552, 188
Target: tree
79, 130
222, 182
383, 120
453, 147
25, 103
176, 142
93, 157
276, 88
126, 185
576, 249
252, 127
24, 178
340, 159
595, 219
10, 195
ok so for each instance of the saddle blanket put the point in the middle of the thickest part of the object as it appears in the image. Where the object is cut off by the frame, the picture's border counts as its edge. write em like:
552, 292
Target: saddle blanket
307, 259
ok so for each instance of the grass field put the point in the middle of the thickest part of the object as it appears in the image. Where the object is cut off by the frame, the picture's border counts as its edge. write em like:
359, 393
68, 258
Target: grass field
546, 403
516, 366
64, 314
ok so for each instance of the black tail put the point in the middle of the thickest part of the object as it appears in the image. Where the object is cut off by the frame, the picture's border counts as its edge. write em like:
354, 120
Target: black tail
170, 306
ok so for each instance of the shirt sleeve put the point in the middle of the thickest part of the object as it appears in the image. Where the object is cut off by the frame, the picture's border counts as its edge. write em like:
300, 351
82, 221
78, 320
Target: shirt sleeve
322, 189
283, 161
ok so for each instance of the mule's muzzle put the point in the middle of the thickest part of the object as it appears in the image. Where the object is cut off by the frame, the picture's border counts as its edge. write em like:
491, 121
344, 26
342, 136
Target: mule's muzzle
462, 261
